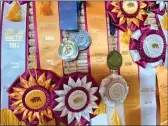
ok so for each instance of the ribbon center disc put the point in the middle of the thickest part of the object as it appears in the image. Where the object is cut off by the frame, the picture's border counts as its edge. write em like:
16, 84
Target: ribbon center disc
77, 99
153, 45
130, 7
35, 99
117, 91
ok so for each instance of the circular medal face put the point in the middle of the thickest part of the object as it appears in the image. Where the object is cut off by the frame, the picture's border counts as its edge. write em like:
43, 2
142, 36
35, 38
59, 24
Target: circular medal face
35, 99
82, 38
68, 51
77, 100
117, 91
153, 45
130, 7
114, 60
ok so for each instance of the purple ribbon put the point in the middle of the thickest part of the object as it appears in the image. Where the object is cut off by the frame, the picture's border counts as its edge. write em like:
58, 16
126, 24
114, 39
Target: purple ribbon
115, 19
59, 86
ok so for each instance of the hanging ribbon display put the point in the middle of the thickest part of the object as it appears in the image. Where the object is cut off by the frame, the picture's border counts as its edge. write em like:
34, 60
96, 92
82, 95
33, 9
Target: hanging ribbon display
46, 20
75, 98
30, 96
68, 15
13, 45
113, 90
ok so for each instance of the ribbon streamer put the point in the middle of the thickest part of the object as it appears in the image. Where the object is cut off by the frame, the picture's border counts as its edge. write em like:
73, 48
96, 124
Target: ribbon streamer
13, 50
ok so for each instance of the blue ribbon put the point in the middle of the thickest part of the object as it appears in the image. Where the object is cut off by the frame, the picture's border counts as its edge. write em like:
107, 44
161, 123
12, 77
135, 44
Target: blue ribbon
68, 15
13, 51
112, 27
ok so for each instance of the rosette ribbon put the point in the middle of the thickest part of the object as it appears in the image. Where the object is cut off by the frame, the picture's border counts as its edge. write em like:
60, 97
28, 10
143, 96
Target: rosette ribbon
113, 90
75, 98
127, 14
30, 96
148, 46
15, 13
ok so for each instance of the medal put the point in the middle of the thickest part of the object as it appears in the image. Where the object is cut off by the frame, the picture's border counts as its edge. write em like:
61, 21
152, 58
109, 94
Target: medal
68, 51
82, 38
114, 60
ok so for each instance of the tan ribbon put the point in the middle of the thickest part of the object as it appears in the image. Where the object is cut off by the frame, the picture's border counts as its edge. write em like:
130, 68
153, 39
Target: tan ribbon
129, 70
97, 28
47, 18
162, 75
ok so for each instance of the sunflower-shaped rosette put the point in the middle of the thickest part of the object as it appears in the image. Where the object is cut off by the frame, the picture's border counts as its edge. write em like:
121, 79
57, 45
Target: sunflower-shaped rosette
148, 47
30, 97
127, 14
75, 98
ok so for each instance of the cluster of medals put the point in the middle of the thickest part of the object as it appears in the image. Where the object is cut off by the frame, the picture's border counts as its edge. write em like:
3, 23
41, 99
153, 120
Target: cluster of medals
69, 50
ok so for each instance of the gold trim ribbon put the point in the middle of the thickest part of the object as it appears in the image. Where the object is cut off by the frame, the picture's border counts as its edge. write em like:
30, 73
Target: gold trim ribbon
97, 28
48, 36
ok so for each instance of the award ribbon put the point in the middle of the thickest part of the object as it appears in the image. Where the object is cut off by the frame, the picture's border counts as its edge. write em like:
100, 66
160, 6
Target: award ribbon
129, 71
46, 17
30, 96
97, 28
75, 98
13, 45
161, 72
113, 90
98, 51
148, 49
163, 90
68, 15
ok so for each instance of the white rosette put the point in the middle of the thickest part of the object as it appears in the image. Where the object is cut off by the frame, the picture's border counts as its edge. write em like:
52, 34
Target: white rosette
77, 100
113, 90
150, 51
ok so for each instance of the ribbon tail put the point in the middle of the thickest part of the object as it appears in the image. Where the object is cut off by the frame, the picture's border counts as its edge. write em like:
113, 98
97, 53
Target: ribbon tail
110, 112
115, 118
8, 118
